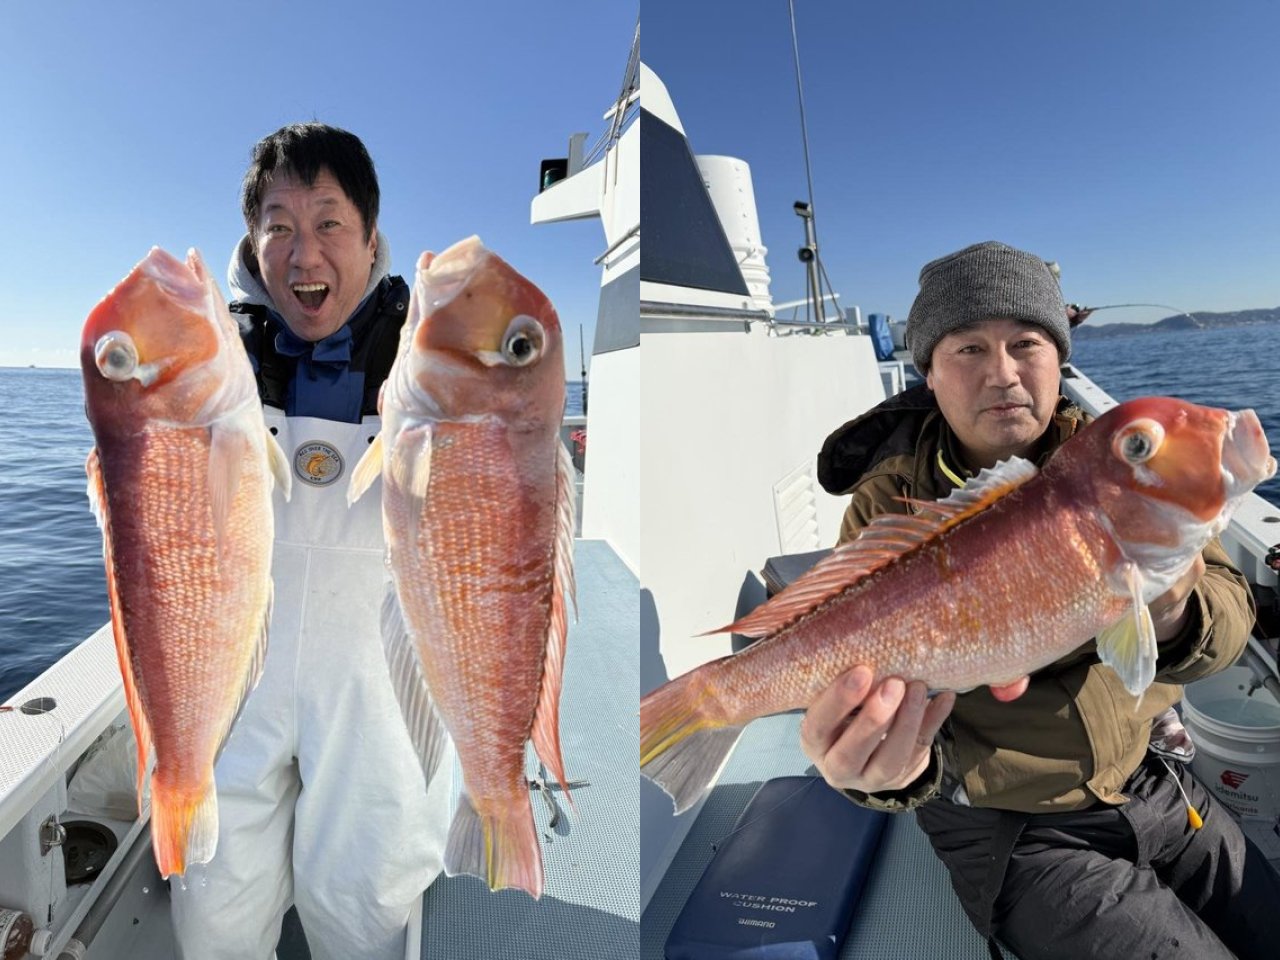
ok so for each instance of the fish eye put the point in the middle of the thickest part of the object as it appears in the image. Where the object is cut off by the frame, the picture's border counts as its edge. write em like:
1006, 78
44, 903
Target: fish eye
116, 356
522, 343
1138, 442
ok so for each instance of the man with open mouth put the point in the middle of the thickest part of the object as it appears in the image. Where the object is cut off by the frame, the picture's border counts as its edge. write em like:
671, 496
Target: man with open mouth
321, 798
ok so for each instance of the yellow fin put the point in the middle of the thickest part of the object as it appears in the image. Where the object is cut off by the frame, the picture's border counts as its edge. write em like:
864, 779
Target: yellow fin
500, 846
1128, 646
278, 463
366, 471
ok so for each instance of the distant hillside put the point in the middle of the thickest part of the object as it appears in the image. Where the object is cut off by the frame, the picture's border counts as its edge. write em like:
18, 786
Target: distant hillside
1179, 322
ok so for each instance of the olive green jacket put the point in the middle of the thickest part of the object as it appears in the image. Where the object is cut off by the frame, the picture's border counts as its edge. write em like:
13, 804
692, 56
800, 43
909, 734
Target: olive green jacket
1075, 736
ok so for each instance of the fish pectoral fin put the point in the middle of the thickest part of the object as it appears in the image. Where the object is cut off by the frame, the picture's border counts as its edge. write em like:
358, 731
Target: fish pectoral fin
410, 462
97, 496
228, 445
1128, 646
427, 732
366, 471
279, 466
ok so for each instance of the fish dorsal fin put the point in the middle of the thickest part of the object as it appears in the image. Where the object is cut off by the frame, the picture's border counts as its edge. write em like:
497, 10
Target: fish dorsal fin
882, 541
979, 492
132, 697
546, 721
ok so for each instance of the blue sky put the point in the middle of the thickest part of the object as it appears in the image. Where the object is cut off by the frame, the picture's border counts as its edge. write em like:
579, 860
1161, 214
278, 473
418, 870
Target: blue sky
127, 125
1136, 143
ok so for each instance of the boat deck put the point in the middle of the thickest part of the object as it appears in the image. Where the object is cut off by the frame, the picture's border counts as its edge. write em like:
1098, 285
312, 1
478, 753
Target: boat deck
907, 908
591, 905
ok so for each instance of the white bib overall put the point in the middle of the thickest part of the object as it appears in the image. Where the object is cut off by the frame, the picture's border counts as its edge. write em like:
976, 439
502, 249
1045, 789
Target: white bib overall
321, 800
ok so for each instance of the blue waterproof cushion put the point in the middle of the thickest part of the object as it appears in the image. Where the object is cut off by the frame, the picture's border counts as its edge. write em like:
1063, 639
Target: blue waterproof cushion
881, 336
784, 884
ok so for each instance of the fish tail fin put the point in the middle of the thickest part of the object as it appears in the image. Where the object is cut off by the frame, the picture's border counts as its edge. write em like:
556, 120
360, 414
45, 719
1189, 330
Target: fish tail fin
184, 825
683, 747
499, 847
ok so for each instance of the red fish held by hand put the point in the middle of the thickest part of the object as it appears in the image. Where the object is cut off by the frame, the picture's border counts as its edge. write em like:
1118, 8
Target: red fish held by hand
180, 480
477, 507
1117, 515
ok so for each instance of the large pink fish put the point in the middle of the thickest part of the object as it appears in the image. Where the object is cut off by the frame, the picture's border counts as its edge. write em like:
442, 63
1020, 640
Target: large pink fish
477, 502
1007, 575
180, 479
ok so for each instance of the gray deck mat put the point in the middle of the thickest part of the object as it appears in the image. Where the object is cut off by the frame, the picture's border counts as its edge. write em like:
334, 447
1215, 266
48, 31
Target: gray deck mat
908, 910
591, 906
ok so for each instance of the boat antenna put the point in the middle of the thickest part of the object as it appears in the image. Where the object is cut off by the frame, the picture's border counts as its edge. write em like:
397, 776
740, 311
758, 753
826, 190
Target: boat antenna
582, 358
816, 274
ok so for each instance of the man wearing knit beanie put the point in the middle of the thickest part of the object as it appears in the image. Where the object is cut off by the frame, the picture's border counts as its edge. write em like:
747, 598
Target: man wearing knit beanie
988, 331
979, 283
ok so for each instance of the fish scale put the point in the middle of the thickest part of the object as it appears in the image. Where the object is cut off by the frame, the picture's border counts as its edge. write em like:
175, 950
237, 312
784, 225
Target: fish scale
475, 584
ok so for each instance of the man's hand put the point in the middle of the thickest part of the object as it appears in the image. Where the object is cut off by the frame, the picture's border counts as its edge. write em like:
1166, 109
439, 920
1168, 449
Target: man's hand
1169, 610
868, 739
871, 740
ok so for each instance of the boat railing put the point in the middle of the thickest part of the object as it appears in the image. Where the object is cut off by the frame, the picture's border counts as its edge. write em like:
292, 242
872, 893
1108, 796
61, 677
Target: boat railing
37, 749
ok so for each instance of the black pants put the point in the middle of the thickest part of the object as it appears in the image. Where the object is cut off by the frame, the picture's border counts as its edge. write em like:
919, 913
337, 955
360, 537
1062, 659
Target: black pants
1131, 882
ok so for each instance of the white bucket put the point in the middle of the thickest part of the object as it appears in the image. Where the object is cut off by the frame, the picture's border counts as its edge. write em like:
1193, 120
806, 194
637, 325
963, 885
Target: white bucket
1237, 741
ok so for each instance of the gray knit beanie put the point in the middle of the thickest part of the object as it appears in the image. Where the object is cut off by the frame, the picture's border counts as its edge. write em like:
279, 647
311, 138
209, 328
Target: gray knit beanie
983, 282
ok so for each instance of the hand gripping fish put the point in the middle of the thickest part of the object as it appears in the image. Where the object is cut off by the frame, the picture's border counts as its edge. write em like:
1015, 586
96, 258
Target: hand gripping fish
477, 508
180, 481
1008, 574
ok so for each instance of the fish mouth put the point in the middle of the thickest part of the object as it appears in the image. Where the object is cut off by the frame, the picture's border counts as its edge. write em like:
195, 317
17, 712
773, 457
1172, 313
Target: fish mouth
311, 296
1246, 456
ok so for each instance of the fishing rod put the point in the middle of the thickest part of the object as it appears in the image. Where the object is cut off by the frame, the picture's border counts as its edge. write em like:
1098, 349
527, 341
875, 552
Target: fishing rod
1086, 311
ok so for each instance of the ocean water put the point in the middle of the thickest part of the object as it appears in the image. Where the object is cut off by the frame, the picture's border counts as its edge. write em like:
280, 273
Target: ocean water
53, 590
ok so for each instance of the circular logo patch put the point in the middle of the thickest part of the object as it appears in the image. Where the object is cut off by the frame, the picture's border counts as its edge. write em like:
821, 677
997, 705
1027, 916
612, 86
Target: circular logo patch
317, 463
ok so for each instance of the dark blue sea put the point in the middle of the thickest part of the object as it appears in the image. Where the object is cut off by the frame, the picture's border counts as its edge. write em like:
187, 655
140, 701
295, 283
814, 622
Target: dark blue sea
52, 585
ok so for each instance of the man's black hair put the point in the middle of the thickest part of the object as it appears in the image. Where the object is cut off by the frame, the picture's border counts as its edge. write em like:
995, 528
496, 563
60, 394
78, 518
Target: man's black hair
303, 150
